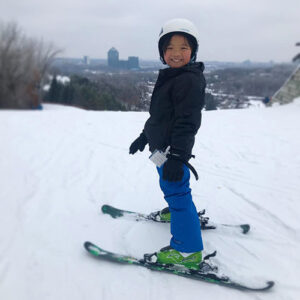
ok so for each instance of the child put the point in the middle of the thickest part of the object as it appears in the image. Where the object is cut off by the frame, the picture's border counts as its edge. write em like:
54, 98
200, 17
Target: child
175, 117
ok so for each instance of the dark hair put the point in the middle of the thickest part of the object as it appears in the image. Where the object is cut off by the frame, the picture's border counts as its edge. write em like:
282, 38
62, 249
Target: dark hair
165, 41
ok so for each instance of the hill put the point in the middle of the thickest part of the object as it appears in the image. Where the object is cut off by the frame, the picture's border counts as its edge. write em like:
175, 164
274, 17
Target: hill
59, 165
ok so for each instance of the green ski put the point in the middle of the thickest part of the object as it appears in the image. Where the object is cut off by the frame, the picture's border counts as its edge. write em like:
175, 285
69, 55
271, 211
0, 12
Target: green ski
155, 217
206, 273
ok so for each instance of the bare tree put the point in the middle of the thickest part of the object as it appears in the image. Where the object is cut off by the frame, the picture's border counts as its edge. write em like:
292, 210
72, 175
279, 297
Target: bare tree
24, 62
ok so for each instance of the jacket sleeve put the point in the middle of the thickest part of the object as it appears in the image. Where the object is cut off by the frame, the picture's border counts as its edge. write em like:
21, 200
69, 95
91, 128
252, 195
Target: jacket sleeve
188, 96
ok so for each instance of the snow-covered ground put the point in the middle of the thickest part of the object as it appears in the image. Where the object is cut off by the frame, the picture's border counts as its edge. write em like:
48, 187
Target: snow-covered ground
58, 166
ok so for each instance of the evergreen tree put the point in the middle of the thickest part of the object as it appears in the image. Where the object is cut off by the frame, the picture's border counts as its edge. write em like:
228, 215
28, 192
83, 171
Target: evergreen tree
67, 94
210, 103
54, 92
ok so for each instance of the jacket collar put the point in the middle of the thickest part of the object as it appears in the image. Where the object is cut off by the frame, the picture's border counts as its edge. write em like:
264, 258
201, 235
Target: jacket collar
172, 72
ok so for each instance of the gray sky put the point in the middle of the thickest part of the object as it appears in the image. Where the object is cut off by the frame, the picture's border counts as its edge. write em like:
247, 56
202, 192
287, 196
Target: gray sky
230, 30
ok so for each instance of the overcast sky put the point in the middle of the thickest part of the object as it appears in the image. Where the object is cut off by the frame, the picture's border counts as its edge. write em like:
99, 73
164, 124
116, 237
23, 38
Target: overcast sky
230, 30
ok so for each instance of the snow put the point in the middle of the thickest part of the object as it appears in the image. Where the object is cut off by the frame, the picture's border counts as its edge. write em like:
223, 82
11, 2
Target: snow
63, 79
59, 165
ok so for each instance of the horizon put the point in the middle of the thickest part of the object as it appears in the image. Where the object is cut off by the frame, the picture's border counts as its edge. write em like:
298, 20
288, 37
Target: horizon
230, 30
157, 60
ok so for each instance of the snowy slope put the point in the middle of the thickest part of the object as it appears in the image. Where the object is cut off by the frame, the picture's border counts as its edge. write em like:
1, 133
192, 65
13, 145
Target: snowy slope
59, 165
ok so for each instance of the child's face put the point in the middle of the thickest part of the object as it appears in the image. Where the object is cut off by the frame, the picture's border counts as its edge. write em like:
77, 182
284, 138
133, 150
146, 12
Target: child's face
178, 52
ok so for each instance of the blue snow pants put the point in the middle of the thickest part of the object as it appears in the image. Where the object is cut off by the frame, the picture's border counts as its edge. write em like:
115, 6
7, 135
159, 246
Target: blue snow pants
185, 224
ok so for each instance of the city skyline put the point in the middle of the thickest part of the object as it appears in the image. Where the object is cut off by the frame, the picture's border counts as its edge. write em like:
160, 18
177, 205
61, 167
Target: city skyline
114, 61
230, 30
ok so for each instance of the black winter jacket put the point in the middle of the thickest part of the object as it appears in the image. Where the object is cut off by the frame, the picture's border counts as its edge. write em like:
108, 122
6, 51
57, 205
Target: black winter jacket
175, 109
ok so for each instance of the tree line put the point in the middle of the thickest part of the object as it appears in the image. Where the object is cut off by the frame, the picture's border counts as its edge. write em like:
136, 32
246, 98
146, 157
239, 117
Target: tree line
100, 94
81, 92
250, 81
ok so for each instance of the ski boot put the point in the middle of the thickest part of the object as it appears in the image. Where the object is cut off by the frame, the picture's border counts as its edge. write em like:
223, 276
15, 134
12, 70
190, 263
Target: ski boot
171, 258
168, 255
165, 215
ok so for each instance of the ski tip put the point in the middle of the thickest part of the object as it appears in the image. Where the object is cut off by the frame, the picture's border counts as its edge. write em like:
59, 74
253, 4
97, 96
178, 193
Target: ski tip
266, 287
92, 249
105, 207
245, 228
270, 284
87, 245
112, 211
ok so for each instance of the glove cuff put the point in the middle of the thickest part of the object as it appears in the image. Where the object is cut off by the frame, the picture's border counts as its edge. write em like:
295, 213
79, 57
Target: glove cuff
143, 138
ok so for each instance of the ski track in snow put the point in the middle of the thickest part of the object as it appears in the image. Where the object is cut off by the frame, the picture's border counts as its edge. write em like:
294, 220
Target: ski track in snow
260, 208
58, 166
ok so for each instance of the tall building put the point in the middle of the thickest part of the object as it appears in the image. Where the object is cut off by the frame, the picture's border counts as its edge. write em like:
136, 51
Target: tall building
113, 57
133, 62
86, 60
113, 61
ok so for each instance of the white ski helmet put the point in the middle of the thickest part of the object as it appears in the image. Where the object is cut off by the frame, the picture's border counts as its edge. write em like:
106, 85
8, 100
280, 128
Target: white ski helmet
184, 26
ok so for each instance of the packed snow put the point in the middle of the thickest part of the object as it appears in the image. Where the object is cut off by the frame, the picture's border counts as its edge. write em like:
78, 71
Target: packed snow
59, 165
